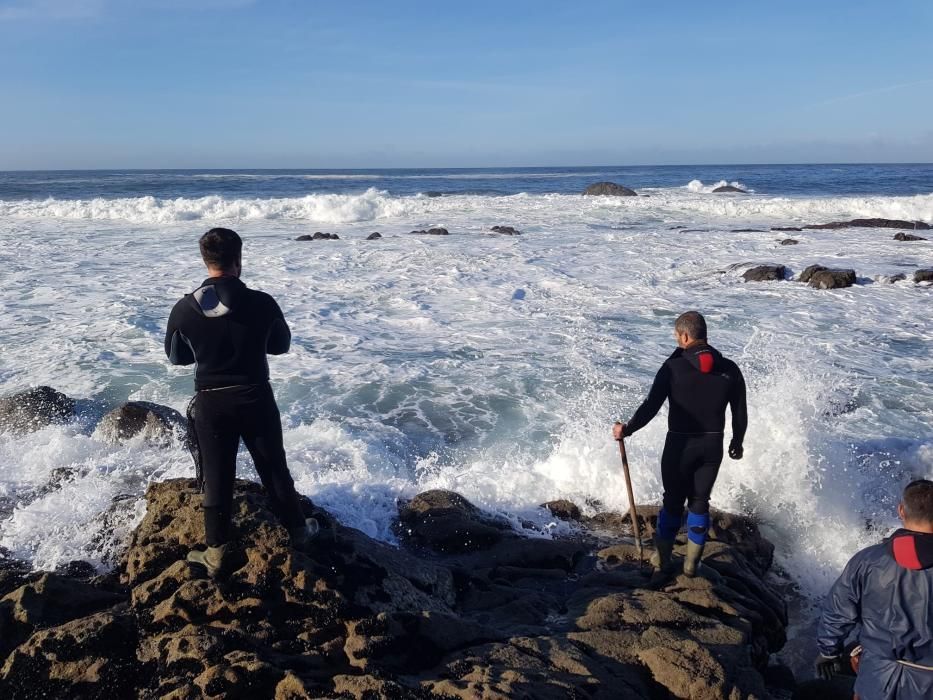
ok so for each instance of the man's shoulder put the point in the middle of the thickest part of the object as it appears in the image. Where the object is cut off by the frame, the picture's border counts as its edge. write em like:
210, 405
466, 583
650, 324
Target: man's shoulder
260, 297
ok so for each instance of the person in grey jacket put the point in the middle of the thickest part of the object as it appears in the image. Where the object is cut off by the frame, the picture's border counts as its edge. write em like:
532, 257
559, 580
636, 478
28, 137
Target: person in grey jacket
886, 593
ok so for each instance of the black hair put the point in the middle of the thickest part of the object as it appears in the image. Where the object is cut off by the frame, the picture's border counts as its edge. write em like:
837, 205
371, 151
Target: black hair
918, 501
221, 248
692, 323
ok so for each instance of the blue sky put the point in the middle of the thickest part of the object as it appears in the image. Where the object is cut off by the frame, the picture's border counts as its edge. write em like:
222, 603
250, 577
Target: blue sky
297, 83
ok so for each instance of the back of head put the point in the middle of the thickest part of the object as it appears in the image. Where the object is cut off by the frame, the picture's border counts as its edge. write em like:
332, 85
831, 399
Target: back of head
692, 323
918, 502
221, 248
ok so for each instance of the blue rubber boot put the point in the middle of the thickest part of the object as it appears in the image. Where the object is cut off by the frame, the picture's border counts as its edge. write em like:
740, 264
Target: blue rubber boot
668, 527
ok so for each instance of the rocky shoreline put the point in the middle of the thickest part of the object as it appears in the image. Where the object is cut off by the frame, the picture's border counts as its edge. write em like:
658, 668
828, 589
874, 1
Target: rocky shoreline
465, 608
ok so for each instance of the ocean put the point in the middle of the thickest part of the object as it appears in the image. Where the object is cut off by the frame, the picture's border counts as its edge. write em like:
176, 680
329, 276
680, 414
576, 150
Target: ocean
492, 365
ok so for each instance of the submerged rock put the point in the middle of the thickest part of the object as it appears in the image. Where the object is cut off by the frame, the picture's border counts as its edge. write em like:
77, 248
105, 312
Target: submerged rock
355, 618
33, 409
786, 228
437, 231
907, 237
609, 189
872, 223
923, 275
563, 509
156, 424
374, 236
832, 279
765, 273
318, 236
507, 230
729, 188
790, 241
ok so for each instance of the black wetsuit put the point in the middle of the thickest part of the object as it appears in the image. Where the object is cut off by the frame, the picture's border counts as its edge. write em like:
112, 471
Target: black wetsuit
227, 329
699, 383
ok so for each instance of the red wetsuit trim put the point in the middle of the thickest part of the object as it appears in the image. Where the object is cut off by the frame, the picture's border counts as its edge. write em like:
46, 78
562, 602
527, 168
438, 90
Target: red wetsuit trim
905, 553
706, 362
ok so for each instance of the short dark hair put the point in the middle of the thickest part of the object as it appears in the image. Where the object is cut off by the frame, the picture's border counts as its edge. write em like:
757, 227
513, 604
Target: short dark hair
918, 501
221, 248
692, 323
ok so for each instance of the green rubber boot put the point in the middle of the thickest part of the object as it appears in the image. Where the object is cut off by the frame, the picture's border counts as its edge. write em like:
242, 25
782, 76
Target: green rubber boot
692, 564
301, 536
213, 559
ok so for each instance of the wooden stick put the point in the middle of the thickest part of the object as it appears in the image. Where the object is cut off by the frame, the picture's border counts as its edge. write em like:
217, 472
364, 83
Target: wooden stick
631, 500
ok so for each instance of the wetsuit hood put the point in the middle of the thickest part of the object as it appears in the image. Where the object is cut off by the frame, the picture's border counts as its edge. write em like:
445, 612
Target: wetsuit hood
703, 357
912, 550
217, 296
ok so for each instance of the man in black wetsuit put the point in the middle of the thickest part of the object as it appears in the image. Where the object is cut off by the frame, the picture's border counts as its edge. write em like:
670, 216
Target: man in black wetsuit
699, 383
226, 330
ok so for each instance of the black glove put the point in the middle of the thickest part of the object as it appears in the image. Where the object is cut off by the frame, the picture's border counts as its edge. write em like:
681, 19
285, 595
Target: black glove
828, 666
735, 450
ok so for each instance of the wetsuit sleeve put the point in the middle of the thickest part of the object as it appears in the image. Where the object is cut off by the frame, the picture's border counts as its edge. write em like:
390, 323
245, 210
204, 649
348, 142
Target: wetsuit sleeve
176, 347
280, 337
841, 610
739, 409
660, 390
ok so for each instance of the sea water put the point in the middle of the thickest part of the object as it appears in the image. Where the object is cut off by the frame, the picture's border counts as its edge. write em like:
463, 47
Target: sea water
492, 365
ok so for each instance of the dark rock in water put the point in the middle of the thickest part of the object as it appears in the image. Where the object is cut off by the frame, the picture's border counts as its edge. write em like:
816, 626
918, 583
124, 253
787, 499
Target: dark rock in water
609, 189
872, 223
433, 194
923, 275
355, 618
899, 277
747, 230
155, 423
33, 409
446, 522
318, 236
786, 228
437, 231
374, 236
563, 509
811, 270
907, 237
765, 273
729, 188
78, 569
832, 279
507, 230
790, 241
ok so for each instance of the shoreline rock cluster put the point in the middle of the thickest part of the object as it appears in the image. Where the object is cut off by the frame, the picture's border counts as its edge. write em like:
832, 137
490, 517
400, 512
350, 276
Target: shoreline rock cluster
465, 608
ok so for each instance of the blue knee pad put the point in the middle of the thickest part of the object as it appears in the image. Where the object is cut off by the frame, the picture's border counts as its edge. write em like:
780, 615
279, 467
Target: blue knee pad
668, 525
697, 527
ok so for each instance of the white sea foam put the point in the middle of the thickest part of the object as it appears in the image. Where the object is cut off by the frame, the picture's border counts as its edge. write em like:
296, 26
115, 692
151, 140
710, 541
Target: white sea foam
379, 205
698, 186
417, 364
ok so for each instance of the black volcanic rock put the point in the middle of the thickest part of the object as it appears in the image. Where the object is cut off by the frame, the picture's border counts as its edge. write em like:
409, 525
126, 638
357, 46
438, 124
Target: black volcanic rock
832, 279
729, 188
765, 273
609, 189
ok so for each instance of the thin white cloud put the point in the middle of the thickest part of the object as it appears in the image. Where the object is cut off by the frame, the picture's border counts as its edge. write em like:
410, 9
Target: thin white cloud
873, 92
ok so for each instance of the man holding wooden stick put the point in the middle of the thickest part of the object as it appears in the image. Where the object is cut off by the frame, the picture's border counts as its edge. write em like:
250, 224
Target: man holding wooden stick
698, 382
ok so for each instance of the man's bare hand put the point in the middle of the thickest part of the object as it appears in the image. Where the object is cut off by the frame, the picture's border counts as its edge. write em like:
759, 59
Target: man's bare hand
618, 431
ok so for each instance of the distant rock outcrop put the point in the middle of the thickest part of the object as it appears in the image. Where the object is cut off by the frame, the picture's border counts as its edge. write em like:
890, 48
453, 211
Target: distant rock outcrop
790, 241
507, 230
729, 188
923, 275
907, 237
504, 617
872, 223
35, 408
609, 189
374, 236
765, 273
318, 236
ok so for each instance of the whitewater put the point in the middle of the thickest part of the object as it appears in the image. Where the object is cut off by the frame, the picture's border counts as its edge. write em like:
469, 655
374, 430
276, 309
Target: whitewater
490, 365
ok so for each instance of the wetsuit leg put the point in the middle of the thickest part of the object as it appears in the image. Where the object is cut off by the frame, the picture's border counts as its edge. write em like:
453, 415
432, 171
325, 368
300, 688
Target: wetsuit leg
218, 441
709, 449
675, 474
261, 426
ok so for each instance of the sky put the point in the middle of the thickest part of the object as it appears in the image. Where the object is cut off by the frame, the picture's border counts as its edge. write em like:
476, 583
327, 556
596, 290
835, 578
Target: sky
356, 84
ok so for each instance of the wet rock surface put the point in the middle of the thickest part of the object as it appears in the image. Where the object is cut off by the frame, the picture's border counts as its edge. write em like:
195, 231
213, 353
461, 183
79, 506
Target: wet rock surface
507, 230
765, 273
924, 275
436, 231
156, 424
790, 241
374, 236
610, 189
318, 236
872, 223
33, 409
493, 616
729, 188
831, 279
907, 237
